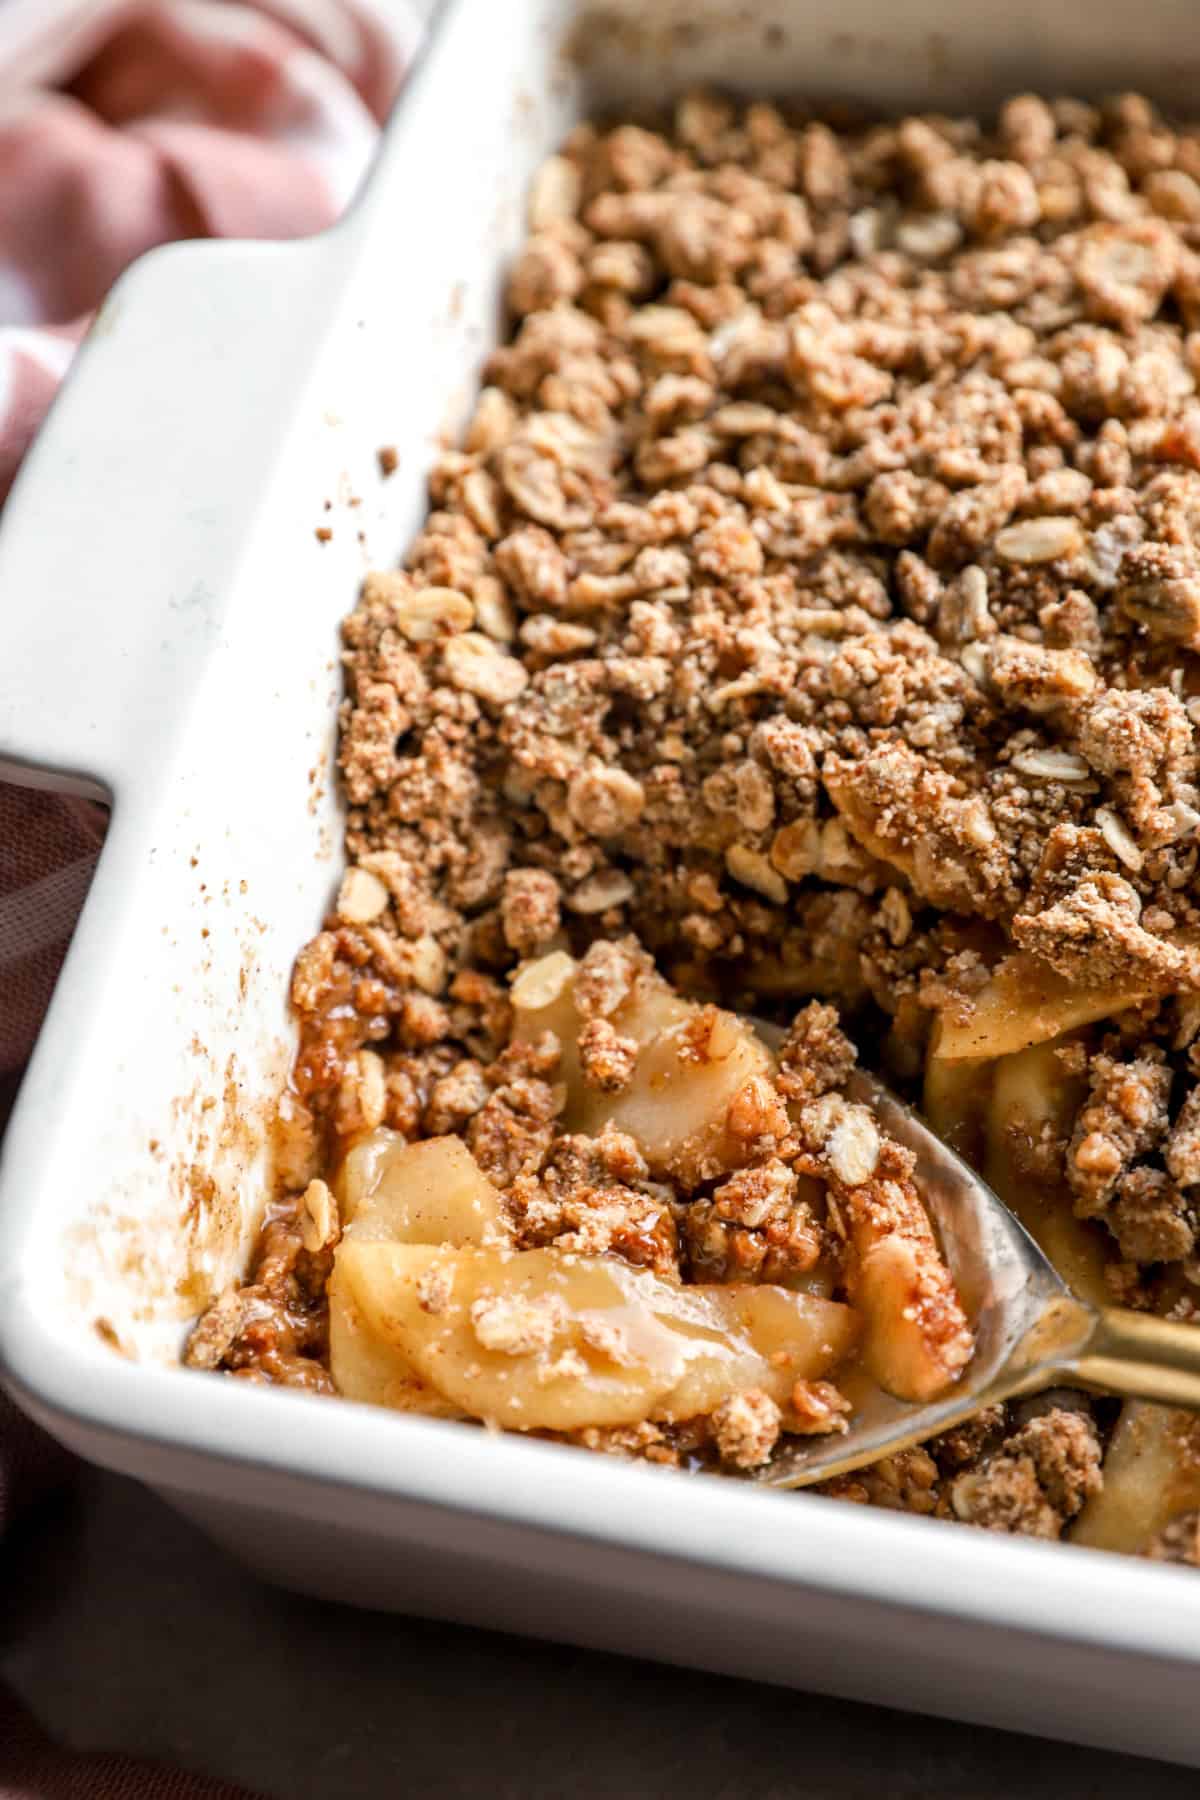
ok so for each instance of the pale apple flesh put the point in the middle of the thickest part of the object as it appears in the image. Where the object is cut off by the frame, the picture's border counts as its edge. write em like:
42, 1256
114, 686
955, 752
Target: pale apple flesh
394, 1192
916, 1340
534, 1340
365, 1367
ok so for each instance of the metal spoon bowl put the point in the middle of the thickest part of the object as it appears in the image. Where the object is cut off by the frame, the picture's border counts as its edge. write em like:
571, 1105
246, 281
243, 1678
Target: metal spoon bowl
1031, 1332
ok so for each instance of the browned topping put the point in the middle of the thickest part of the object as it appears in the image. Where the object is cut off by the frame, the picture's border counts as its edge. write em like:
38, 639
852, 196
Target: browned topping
746, 1428
906, 1482
817, 1407
816, 1056
1125, 1116
668, 1445
812, 610
512, 1132
1179, 1541
529, 909
1151, 1220
1037, 1481
966, 1444
605, 977
607, 1058
762, 1224
275, 1328
593, 1195
743, 429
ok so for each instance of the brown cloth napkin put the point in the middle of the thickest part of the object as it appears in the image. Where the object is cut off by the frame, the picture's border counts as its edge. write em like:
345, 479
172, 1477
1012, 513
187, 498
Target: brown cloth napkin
125, 124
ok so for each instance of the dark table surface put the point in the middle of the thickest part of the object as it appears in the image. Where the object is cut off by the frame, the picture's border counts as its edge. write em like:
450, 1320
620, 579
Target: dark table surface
121, 1627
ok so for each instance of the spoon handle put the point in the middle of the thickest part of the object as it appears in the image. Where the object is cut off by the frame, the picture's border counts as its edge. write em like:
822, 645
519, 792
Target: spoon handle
1141, 1357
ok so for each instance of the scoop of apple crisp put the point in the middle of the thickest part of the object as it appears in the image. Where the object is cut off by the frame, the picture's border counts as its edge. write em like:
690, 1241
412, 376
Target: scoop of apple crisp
649, 1220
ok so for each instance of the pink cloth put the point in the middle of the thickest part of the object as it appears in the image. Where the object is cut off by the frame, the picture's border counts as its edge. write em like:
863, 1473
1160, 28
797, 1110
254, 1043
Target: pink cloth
125, 124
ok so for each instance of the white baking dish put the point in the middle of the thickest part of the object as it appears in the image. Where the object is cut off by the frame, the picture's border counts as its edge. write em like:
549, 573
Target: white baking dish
170, 637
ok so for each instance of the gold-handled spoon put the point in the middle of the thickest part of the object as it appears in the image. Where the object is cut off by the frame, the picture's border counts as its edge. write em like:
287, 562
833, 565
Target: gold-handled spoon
1031, 1332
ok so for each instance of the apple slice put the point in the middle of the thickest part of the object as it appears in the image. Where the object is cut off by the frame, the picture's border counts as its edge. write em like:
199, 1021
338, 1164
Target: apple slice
1151, 1475
540, 1341
433, 1192
1026, 1002
916, 1337
367, 1369
793, 1331
677, 1104
391, 1191
1034, 1100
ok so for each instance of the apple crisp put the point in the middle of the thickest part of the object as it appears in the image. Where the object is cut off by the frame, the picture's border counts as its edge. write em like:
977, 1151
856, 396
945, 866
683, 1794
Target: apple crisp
806, 628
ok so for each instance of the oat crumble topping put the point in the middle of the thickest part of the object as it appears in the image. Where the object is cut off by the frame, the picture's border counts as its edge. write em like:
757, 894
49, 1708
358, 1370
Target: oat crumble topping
811, 613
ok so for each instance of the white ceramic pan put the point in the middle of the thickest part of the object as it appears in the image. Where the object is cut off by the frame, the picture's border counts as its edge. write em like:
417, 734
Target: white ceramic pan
170, 638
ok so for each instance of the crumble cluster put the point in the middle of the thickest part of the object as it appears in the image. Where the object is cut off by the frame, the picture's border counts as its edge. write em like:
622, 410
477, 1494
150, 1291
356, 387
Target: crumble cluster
815, 600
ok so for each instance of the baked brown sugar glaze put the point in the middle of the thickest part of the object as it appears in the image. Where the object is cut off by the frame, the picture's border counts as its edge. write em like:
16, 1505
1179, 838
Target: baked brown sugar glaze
807, 627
